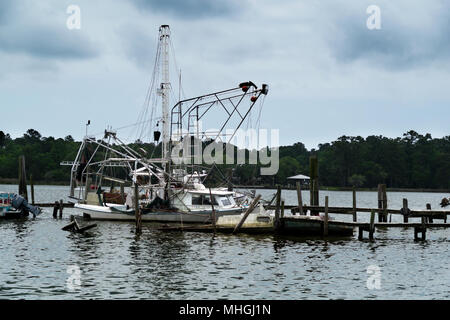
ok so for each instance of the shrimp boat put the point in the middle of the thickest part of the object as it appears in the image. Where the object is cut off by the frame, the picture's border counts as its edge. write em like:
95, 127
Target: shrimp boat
169, 188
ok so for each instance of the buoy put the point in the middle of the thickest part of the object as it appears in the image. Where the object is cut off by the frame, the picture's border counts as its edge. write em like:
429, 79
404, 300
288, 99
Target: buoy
245, 88
254, 98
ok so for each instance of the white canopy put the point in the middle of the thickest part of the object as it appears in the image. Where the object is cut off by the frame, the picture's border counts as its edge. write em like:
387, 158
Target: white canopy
299, 177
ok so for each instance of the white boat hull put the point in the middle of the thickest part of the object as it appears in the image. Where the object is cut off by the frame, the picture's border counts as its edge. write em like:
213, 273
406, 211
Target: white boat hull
109, 214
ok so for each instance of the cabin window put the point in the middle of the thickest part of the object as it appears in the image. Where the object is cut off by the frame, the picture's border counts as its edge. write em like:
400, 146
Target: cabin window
197, 200
202, 200
207, 200
225, 201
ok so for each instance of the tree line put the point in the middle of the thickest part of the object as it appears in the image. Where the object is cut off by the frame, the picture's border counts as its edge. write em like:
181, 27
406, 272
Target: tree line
411, 161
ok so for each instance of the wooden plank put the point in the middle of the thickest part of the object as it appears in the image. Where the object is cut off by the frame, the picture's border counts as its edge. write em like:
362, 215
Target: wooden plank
47, 205
85, 228
244, 217
68, 227
114, 179
349, 210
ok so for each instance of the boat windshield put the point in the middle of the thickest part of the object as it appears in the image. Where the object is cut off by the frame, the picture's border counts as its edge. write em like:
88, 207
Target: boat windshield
203, 200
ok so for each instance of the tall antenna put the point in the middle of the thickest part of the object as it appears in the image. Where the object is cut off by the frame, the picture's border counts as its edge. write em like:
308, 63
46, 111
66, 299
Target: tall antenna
164, 38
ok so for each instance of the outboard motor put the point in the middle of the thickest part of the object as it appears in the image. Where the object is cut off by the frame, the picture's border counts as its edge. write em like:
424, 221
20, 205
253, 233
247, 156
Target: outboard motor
21, 204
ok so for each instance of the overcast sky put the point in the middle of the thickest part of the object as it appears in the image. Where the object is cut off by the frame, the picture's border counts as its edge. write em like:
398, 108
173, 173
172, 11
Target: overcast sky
329, 75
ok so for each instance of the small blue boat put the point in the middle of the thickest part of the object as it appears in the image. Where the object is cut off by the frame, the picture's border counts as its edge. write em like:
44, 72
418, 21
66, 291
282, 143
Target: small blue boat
13, 206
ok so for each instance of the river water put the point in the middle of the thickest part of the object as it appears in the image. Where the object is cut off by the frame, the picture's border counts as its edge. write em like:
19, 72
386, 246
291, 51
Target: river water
40, 261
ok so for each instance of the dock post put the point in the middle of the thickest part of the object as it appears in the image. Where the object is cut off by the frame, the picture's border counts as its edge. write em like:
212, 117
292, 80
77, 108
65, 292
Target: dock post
385, 202
55, 209
405, 210
314, 183
372, 225
325, 220
430, 218
354, 205
32, 189
22, 178
282, 209
299, 198
382, 203
137, 210
360, 232
213, 212
61, 206
424, 229
277, 209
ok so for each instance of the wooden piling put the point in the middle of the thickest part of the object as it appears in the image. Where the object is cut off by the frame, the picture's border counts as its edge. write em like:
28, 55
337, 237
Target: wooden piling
405, 210
213, 212
282, 209
299, 198
424, 229
61, 206
277, 209
314, 183
325, 220
372, 225
55, 209
354, 205
32, 189
22, 178
385, 202
382, 203
430, 219
137, 209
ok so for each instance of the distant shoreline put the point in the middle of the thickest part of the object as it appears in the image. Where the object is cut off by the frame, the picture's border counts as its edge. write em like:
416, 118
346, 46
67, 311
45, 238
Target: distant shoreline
324, 188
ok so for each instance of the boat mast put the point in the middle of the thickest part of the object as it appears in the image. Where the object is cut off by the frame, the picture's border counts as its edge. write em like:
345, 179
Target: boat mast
164, 37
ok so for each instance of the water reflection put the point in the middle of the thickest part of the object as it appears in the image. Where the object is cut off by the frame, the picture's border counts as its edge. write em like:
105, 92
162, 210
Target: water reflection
117, 263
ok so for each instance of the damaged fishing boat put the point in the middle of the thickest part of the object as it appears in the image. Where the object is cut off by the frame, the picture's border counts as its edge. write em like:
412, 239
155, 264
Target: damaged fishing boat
170, 188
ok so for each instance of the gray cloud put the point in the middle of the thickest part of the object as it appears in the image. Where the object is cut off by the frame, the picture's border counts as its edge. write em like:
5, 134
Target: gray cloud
189, 8
46, 42
138, 45
26, 29
406, 39
6, 8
